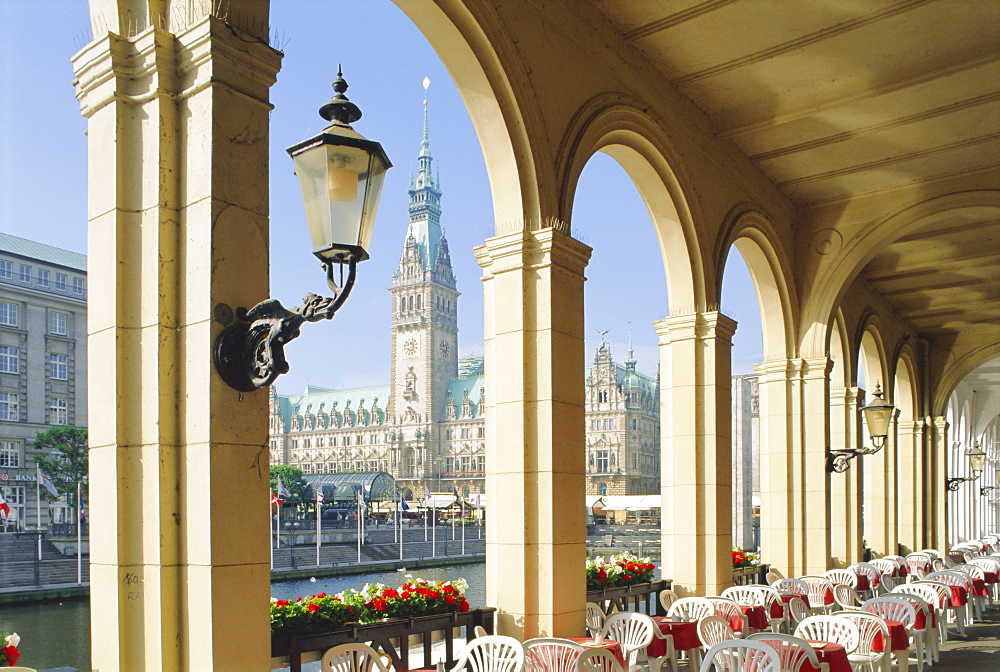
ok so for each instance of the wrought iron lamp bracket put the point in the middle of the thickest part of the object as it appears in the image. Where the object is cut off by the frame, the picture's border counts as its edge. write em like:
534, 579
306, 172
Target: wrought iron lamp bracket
988, 488
839, 459
956, 482
250, 352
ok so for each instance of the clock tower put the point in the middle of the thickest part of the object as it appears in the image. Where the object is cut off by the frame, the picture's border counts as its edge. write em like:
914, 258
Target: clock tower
424, 324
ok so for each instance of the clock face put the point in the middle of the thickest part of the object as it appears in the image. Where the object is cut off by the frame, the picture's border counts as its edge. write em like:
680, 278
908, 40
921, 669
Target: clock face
444, 347
410, 347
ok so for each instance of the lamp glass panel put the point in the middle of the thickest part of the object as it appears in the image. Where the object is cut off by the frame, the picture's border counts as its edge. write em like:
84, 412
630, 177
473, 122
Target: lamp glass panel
333, 180
977, 460
877, 418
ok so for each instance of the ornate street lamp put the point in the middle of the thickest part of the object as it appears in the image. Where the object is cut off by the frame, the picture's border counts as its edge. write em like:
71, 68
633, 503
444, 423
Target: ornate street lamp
991, 488
340, 174
977, 460
878, 416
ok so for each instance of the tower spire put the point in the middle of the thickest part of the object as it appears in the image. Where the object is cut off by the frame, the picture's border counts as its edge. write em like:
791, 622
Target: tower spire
425, 178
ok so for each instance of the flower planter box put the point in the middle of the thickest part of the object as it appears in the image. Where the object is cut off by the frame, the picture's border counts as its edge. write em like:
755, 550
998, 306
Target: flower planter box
641, 597
392, 637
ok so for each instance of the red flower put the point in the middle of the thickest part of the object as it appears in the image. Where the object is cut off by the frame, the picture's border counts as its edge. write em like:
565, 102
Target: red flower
379, 604
627, 577
433, 594
450, 599
463, 606
407, 594
390, 593
281, 604
12, 654
312, 607
319, 595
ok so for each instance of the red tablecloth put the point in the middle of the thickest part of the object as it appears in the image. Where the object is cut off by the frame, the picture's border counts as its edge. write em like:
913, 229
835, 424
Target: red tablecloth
863, 583
788, 598
921, 622
979, 588
835, 655
901, 572
685, 634
991, 577
778, 609
828, 597
959, 596
613, 647
897, 638
756, 617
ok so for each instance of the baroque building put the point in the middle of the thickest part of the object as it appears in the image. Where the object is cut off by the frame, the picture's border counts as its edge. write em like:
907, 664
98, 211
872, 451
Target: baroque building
427, 427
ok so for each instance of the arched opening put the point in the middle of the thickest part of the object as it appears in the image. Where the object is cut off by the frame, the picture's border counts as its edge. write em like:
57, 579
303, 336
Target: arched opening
879, 478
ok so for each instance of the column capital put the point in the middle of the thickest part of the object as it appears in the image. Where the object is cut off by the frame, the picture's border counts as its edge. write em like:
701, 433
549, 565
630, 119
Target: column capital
940, 423
700, 325
533, 249
815, 367
845, 395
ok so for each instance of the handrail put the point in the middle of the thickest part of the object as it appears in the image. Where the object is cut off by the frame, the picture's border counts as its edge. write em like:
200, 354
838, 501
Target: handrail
306, 648
644, 597
745, 576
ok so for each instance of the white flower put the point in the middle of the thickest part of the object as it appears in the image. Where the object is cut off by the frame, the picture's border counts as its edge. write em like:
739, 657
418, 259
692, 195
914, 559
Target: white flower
13, 639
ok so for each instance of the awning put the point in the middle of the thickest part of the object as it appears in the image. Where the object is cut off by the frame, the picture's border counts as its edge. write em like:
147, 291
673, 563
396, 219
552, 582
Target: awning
631, 502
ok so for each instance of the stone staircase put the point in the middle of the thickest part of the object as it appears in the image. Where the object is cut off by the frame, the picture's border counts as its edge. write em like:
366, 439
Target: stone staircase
17, 563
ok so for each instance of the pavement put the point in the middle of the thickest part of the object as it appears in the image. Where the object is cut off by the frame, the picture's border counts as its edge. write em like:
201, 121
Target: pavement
979, 651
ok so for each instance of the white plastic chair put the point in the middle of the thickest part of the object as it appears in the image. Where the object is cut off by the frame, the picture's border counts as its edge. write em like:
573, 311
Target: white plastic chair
933, 598
927, 637
870, 572
480, 631
691, 608
842, 576
819, 587
919, 565
633, 632
762, 596
551, 654
960, 612
667, 599
793, 651
988, 564
894, 608
792, 587
772, 576
595, 618
598, 660
492, 653
797, 611
739, 654
974, 572
846, 596
730, 611
352, 657
712, 630
772, 597
836, 629
869, 625
944, 604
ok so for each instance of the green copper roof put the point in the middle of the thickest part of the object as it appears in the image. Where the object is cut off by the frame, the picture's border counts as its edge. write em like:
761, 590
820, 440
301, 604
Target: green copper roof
44, 253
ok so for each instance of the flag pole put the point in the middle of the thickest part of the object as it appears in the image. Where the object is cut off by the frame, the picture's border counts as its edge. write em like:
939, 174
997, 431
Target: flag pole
270, 524
463, 527
434, 524
359, 526
400, 526
79, 537
38, 507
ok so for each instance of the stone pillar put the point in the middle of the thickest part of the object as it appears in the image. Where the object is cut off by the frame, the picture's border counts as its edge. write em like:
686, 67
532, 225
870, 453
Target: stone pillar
696, 392
880, 494
778, 508
178, 224
910, 438
535, 439
935, 486
846, 533
812, 397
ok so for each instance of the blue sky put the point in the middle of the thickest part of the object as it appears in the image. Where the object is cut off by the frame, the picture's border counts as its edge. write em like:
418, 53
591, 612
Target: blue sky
385, 58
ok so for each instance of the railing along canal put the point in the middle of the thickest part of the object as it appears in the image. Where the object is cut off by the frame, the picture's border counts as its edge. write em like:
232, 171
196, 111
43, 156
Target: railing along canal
745, 576
642, 597
392, 637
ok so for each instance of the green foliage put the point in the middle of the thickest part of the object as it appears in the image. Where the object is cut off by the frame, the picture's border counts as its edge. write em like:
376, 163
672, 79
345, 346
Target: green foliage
291, 478
63, 457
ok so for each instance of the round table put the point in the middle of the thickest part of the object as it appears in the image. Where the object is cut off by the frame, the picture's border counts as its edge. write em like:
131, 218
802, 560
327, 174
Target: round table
613, 647
898, 638
831, 653
685, 634
755, 615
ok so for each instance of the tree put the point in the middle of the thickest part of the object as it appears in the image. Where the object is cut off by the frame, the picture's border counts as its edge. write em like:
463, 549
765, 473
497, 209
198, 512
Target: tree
62, 456
291, 478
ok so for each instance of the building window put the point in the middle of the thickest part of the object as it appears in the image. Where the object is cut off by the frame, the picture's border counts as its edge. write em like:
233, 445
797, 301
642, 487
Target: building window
602, 462
57, 323
481, 432
8, 313
61, 282
10, 453
58, 412
78, 285
602, 396
8, 406
602, 489
25, 273
57, 367
481, 463
43, 277
8, 359
6, 269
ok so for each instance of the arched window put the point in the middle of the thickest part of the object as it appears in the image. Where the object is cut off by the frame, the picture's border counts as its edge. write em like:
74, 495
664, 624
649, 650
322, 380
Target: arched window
602, 488
419, 301
411, 302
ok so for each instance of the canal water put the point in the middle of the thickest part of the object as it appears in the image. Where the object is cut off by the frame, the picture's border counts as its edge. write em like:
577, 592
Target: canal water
57, 634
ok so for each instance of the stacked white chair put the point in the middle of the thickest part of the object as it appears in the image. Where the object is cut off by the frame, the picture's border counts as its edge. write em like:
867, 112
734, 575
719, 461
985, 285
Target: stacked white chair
836, 629
896, 609
633, 632
492, 653
793, 651
738, 654
869, 627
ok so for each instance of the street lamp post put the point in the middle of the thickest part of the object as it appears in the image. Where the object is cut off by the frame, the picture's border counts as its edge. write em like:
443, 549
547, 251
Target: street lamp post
340, 174
977, 460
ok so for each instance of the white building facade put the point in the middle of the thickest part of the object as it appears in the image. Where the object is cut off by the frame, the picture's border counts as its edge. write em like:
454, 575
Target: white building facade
43, 363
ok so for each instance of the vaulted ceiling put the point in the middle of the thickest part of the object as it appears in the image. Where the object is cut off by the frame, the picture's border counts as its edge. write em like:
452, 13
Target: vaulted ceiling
840, 100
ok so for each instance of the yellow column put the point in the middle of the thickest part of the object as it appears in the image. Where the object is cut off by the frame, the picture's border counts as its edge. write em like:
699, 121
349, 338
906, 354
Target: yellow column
536, 532
178, 224
846, 532
696, 393
812, 412
911, 474
779, 509
880, 495
935, 486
